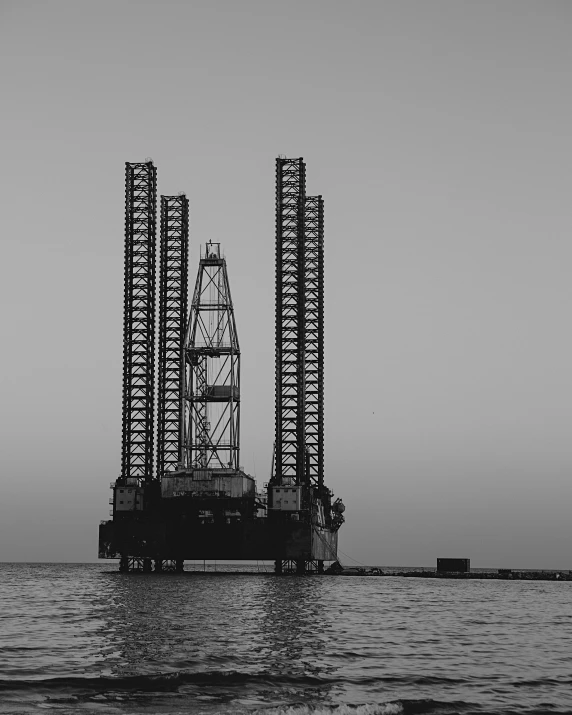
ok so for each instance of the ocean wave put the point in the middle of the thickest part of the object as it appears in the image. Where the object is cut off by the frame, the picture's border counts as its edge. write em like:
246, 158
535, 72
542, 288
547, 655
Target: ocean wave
541, 682
367, 709
397, 707
158, 682
171, 681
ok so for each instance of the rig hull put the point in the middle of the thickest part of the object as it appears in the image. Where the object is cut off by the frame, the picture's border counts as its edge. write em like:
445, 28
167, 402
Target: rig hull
176, 539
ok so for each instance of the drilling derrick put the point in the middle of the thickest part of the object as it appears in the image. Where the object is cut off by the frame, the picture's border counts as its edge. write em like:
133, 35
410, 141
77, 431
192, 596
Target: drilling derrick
139, 323
211, 498
212, 356
173, 289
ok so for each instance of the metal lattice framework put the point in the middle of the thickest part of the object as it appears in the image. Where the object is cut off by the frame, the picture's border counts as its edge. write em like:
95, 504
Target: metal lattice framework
173, 290
212, 374
139, 321
314, 324
290, 450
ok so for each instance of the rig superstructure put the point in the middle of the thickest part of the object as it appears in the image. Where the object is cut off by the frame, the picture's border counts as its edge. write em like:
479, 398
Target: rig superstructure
198, 503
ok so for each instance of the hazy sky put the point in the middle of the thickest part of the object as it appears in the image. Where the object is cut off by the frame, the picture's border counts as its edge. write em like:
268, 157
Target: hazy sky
439, 135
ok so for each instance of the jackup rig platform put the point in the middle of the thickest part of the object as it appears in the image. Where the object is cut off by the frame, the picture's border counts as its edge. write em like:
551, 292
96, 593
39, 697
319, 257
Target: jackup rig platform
198, 503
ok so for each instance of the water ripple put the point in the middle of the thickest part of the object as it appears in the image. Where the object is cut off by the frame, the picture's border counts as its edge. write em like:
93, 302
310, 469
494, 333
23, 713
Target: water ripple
82, 638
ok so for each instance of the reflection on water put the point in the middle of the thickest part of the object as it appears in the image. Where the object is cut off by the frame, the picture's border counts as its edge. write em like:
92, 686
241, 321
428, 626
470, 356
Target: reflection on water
273, 628
296, 628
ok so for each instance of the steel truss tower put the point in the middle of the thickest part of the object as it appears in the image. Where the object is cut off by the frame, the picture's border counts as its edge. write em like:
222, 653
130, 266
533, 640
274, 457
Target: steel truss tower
139, 321
314, 338
290, 456
173, 289
212, 374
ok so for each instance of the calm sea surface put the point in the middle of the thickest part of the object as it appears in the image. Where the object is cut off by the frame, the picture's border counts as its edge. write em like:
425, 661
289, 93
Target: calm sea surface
83, 638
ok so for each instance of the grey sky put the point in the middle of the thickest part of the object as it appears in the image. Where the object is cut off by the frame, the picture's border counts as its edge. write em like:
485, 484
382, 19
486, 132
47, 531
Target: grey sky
439, 136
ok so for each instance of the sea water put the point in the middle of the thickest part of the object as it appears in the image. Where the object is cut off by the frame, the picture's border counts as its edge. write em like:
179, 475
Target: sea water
83, 638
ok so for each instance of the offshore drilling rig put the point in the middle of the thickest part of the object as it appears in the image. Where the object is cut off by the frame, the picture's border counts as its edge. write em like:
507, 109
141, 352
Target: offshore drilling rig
194, 501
